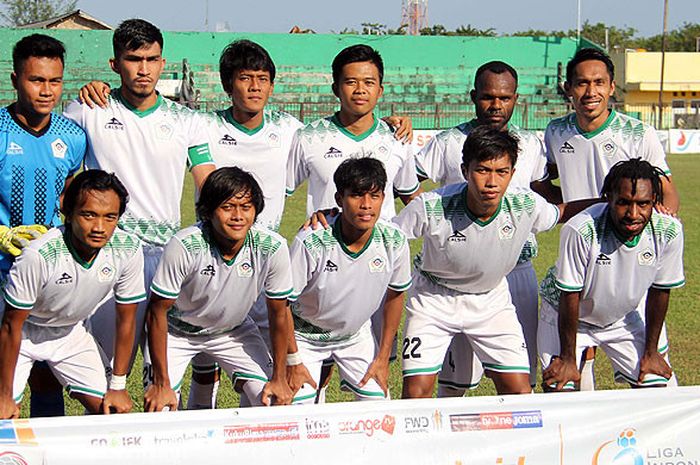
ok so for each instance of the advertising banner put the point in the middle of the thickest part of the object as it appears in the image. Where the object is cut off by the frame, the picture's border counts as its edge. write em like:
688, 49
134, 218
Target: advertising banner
684, 141
623, 427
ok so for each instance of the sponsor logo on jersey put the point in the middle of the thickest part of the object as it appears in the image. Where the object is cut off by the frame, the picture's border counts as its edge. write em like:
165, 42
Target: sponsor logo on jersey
114, 124
609, 148
646, 257
64, 279
330, 267
59, 148
245, 269
506, 232
376, 265
333, 153
164, 131
14, 149
106, 273
457, 237
208, 270
566, 148
274, 139
228, 140
602, 259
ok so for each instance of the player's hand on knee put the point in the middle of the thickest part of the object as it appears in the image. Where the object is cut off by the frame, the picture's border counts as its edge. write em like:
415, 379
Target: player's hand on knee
379, 371
159, 398
8, 408
95, 93
297, 376
277, 392
318, 219
403, 127
653, 364
117, 401
560, 372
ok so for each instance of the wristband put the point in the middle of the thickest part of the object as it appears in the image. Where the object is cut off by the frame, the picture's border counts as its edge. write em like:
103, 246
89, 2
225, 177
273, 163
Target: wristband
294, 359
117, 382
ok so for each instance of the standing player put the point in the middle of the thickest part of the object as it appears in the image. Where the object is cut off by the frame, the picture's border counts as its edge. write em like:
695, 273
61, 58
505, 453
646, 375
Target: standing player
57, 282
354, 131
584, 145
455, 289
622, 240
332, 319
147, 141
495, 95
39, 153
208, 278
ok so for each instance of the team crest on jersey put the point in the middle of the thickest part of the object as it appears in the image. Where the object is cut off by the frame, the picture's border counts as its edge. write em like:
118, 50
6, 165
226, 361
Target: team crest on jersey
381, 152
228, 140
609, 148
274, 139
114, 124
506, 232
14, 149
164, 131
646, 257
245, 269
106, 273
377, 265
64, 279
333, 153
59, 148
566, 148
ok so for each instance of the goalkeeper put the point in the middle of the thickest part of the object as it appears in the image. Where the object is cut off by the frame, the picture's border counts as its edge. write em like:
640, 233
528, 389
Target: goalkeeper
39, 153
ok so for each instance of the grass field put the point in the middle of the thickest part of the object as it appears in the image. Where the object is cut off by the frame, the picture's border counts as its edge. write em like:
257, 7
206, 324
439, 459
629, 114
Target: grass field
683, 319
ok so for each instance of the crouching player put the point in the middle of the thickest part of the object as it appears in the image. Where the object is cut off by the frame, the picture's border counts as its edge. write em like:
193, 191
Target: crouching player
207, 281
623, 240
56, 284
342, 276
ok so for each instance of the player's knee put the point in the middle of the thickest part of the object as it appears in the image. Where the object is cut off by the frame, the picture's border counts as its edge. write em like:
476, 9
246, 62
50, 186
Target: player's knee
417, 387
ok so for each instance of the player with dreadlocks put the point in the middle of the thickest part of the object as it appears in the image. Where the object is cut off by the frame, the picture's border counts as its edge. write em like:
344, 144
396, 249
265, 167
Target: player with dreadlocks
610, 256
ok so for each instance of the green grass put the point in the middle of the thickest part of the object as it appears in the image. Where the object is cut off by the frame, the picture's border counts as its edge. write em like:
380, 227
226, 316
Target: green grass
683, 319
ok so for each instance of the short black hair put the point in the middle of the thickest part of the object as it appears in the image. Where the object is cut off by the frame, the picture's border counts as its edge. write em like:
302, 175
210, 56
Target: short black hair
36, 45
496, 67
356, 54
243, 54
486, 143
587, 54
634, 169
132, 34
93, 180
223, 184
360, 175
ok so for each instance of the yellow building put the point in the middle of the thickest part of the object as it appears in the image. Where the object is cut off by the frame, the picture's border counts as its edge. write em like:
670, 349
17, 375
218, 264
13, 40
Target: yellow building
638, 76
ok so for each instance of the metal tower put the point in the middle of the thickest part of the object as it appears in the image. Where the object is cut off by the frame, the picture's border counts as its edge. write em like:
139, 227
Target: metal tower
414, 15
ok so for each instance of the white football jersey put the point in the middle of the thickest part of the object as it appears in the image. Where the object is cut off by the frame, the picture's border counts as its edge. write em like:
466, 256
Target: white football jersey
441, 159
613, 275
321, 146
213, 295
60, 289
263, 152
583, 159
337, 291
461, 252
149, 151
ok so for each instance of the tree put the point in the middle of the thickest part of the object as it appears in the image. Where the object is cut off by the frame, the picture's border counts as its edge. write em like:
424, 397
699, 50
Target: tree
682, 39
21, 12
617, 37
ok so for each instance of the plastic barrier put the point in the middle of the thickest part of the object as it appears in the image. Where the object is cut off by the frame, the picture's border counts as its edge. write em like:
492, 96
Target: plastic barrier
684, 141
627, 427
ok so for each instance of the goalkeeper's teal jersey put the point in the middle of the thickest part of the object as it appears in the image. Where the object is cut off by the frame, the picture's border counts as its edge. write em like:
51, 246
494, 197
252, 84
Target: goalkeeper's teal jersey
33, 169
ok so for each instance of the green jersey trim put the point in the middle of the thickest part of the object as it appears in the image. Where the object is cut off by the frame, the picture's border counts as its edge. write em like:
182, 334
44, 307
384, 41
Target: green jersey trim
680, 283
595, 132
400, 287
279, 295
199, 155
140, 113
338, 235
130, 300
17, 304
359, 137
228, 116
236, 375
74, 253
506, 368
84, 390
421, 371
306, 397
474, 218
362, 392
163, 292
627, 243
566, 288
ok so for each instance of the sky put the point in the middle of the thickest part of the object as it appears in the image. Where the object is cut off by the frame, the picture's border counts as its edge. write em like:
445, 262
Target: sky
327, 16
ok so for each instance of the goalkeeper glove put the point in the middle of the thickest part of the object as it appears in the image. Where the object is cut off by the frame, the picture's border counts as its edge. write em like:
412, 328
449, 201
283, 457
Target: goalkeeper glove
13, 240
